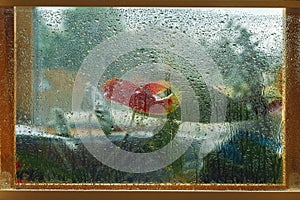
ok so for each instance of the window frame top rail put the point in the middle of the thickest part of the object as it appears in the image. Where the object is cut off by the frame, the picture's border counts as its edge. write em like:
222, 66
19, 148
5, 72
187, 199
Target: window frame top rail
157, 3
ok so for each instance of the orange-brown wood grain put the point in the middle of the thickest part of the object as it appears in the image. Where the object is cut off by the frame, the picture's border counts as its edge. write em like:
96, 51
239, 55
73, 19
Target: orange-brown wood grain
7, 105
291, 80
151, 187
79, 195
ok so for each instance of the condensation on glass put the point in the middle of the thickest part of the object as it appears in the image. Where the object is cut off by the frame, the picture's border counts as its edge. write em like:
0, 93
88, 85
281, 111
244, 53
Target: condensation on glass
152, 95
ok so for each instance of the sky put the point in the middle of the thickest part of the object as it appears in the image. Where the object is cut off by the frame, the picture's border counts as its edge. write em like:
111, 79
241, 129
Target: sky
253, 11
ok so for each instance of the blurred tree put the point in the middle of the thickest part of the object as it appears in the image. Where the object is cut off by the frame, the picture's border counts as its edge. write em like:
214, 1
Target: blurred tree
249, 155
243, 66
65, 44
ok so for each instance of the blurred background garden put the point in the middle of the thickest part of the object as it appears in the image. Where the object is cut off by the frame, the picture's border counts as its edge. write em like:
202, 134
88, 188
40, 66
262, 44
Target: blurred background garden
246, 46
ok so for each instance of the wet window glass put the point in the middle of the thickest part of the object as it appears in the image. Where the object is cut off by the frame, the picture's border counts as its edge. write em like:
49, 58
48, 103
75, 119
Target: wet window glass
152, 95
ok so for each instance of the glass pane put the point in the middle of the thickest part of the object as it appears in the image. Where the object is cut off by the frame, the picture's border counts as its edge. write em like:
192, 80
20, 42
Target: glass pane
152, 95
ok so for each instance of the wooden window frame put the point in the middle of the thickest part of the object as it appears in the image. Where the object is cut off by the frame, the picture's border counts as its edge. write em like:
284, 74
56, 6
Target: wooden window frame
12, 45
